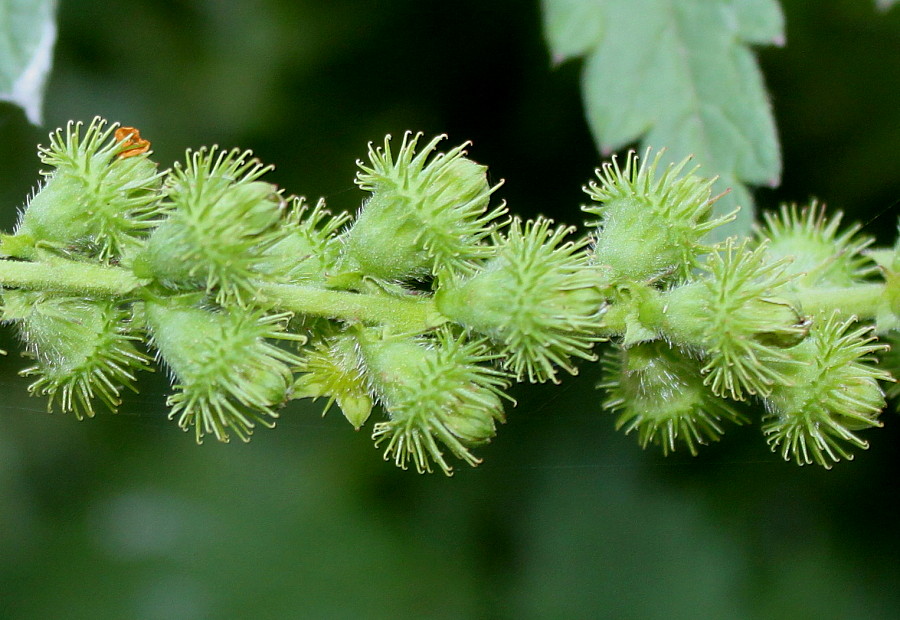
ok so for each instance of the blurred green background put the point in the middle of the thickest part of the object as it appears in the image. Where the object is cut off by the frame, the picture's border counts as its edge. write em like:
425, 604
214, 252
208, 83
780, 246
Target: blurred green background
125, 517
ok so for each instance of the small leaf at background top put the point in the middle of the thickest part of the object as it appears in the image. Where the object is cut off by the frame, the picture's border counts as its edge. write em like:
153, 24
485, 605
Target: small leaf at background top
678, 74
572, 27
27, 35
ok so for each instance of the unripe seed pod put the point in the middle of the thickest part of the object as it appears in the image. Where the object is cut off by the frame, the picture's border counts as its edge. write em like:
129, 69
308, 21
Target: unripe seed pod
659, 392
187, 251
84, 348
471, 426
95, 201
228, 375
735, 319
384, 241
432, 391
307, 249
538, 298
221, 222
831, 391
650, 225
818, 254
424, 216
890, 360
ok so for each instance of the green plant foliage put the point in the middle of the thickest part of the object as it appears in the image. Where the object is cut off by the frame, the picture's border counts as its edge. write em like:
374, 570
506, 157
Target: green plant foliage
426, 307
27, 36
678, 73
333, 367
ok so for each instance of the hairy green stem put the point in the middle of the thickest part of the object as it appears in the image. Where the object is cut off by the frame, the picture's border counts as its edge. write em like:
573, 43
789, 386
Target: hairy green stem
68, 276
646, 311
861, 300
402, 315
413, 315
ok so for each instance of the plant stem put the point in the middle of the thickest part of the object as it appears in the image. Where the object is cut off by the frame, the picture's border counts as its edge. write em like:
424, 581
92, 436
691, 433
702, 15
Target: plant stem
68, 276
651, 312
413, 315
861, 300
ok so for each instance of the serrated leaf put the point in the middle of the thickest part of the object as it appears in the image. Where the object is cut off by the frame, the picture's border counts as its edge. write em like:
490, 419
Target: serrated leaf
572, 28
679, 74
27, 35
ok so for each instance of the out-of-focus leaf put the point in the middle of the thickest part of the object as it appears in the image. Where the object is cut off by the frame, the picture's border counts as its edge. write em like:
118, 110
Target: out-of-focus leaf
884, 5
678, 74
572, 27
27, 35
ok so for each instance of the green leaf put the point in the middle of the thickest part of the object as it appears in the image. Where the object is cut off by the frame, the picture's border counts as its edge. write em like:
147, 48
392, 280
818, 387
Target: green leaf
885, 5
27, 35
572, 27
679, 74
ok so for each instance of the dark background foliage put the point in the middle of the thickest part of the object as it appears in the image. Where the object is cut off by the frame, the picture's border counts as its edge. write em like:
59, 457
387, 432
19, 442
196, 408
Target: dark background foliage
124, 517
